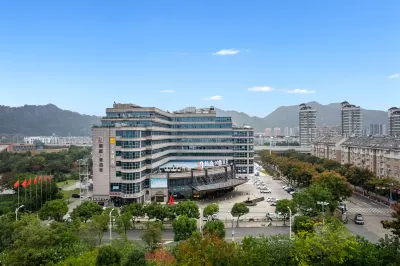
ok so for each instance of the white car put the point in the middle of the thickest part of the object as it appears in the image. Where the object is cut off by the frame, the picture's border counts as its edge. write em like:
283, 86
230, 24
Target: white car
265, 191
271, 199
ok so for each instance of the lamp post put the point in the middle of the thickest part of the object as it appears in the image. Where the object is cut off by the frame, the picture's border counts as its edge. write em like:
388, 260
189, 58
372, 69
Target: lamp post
201, 218
233, 230
290, 223
16, 212
111, 224
80, 187
323, 204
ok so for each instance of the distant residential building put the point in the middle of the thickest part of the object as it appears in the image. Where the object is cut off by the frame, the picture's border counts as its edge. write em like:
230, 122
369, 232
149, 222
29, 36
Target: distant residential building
277, 131
323, 131
351, 119
286, 131
268, 132
291, 131
307, 124
379, 154
72, 140
296, 131
328, 147
377, 129
394, 121
35, 148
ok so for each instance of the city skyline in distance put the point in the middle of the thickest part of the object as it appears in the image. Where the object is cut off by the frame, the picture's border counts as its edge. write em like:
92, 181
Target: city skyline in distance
81, 57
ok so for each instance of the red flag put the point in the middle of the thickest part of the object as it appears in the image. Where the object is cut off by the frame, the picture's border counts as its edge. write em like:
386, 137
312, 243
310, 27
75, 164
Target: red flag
16, 184
44, 178
24, 183
171, 200
40, 178
34, 181
50, 177
29, 182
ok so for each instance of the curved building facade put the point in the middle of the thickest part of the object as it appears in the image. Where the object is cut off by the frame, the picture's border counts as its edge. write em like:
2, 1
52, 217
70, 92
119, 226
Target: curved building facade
133, 142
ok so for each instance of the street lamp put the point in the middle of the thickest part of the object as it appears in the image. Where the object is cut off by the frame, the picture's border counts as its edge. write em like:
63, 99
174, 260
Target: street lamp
16, 212
80, 185
111, 224
201, 218
323, 204
290, 223
233, 230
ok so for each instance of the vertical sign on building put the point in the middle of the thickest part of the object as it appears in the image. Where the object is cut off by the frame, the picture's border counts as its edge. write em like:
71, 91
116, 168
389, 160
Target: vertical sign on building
112, 152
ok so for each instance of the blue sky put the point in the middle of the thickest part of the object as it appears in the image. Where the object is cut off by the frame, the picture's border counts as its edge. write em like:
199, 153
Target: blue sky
84, 55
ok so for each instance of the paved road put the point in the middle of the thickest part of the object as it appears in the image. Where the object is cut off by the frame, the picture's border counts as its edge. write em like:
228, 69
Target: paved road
76, 202
249, 190
373, 214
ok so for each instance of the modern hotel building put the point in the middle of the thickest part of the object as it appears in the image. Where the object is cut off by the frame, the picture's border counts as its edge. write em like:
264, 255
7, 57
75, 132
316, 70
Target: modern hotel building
133, 145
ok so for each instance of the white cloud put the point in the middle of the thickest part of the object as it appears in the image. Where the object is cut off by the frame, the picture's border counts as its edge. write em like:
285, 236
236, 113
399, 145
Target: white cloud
227, 52
260, 88
300, 91
396, 75
168, 91
213, 98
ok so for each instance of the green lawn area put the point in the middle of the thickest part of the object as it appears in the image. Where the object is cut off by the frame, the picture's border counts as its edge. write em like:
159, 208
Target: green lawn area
264, 172
68, 182
68, 194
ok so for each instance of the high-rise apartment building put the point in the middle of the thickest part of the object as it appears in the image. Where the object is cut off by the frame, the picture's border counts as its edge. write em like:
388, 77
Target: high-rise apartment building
394, 121
268, 132
286, 132
307, 124
144, 154
277, 131
351, 120
377, 129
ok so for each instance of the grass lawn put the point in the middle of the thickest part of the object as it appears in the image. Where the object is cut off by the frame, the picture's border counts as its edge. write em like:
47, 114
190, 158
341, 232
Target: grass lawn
68, 182
264, 172
68, 194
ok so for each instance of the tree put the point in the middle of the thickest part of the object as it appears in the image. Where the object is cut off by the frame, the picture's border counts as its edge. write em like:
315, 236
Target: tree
207, 250
336, 184
283, 207
183, 227
393, 225
188, 208
210, 209
56, 209
136, 258
267, 251
124, 222
136, 211
329, 246
239, 209
108, 256
157, 211
88, 258
303, 224
152, 235
216, 228
86, 210
306, 201
99, 224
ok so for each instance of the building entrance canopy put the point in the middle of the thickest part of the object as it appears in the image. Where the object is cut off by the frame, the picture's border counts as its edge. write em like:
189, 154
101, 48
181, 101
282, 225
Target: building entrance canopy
220, 185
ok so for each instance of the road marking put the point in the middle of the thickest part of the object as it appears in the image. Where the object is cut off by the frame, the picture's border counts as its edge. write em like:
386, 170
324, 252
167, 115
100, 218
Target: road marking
370, 210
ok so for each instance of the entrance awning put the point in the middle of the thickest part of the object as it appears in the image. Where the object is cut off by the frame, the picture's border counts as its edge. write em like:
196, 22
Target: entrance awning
220, 185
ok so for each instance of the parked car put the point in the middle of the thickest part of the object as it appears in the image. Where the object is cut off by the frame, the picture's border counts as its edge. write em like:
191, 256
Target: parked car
358, 219
257, 174
292, 192
265, 191
274, 203
270, 199
76, 196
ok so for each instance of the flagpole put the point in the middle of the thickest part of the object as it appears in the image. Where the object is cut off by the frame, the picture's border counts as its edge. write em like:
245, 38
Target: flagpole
36, 193
46, 189
50, 190
18, 194
41, 192
25, 191
30, 190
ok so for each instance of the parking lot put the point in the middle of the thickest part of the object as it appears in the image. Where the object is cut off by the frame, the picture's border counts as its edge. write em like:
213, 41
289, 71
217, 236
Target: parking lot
249, 190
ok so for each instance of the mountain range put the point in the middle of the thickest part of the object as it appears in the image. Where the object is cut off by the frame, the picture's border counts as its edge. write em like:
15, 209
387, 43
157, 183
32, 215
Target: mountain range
45, 120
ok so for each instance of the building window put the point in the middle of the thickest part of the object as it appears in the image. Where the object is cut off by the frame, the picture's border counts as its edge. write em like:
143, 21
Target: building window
100, 164
100, 159
100, 170
100, 151
100, 146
